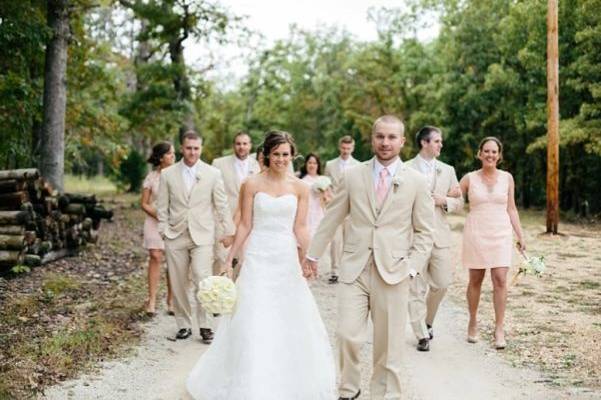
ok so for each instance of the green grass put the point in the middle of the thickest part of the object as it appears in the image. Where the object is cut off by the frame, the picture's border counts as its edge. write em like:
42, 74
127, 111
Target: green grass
98, 185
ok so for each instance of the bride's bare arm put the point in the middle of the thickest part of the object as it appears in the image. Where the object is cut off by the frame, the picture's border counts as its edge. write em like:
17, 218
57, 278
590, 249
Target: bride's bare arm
245, 224
301, 230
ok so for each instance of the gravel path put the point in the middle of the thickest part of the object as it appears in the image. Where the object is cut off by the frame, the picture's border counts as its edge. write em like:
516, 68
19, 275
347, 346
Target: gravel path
453, 369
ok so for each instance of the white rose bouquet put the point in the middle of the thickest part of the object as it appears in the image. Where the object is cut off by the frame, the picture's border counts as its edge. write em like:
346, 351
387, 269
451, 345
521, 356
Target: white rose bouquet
530, 266
217, 294
322, 184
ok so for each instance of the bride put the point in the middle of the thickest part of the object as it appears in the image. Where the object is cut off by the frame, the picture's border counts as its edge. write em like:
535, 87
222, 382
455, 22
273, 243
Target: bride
274, 346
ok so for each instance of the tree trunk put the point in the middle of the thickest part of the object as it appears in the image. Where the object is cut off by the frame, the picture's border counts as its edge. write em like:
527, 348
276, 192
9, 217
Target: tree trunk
181, 83
52, 160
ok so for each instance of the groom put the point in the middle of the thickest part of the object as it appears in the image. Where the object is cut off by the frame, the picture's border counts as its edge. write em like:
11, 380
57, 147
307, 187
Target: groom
389, 237
191, 196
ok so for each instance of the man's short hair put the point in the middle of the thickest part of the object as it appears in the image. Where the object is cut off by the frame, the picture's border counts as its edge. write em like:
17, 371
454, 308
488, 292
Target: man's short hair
388, 119
425, 134
348, 139
241, 133
191, 135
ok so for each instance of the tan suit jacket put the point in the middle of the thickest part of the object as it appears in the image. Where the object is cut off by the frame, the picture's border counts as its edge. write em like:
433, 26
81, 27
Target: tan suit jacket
444, 179
227, 166
333, 171
387, 233
196, 211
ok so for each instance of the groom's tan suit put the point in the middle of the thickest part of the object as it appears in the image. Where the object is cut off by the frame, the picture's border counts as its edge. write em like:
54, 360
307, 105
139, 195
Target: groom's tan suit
187, 222
335, 170
438, 270
232, 183
382, 246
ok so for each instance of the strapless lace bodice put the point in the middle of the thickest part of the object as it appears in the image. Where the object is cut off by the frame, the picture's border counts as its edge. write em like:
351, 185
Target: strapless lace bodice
274, 215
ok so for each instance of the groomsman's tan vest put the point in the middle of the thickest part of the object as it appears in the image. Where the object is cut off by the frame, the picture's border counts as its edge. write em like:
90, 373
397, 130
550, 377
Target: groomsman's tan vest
197, 210
444, 179
399, 234
227, 166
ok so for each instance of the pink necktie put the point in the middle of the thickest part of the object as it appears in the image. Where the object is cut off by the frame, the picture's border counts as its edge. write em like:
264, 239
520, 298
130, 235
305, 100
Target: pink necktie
382, 187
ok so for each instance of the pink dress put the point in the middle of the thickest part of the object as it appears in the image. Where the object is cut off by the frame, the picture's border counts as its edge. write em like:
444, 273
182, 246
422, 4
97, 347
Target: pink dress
152, 239
315, 212
487, 235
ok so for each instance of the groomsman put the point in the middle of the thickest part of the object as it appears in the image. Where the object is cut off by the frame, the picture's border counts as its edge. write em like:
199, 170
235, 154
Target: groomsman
388, 238
335, 170
234, 169
191, 198
437, 274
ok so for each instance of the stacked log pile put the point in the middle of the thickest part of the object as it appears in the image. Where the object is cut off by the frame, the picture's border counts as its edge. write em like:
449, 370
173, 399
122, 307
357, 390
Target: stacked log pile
39, 225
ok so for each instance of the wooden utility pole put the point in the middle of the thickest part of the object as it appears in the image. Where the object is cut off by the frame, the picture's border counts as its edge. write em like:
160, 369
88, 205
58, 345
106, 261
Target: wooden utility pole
552, 118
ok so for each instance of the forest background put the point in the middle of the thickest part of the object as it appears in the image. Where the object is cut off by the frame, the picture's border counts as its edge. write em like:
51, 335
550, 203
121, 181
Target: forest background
129, 85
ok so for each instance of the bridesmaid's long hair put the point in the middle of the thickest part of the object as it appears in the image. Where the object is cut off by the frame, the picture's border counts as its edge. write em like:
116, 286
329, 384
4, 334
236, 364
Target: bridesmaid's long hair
158, 151
303, 170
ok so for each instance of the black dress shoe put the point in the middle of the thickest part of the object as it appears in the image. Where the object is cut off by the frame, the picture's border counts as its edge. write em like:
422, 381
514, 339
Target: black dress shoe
207, 335
183, 333
423, 345
351, 398
333, 279
430, 331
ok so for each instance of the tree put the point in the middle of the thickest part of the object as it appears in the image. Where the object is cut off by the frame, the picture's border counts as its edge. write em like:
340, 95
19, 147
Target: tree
55, 95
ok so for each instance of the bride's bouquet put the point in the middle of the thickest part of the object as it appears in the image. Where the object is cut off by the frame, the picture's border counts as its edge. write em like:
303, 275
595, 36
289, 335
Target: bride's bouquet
322, 184
217, 294
530, 266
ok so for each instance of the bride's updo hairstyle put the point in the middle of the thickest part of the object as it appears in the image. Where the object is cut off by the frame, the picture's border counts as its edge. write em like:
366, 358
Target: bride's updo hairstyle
275, 138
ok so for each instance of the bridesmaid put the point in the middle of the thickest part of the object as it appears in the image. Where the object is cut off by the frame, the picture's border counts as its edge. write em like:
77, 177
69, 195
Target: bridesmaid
163, 155
309, 173
487, 235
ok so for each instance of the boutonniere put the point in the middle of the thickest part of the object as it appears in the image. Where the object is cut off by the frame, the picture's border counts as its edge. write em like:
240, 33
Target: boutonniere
438, 170
197, 177
396, 182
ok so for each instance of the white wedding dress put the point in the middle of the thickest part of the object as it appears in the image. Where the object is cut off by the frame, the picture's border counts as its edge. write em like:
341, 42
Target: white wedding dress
274, 346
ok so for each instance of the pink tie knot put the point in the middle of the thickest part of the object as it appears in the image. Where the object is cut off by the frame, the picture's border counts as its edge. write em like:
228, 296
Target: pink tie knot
384, 173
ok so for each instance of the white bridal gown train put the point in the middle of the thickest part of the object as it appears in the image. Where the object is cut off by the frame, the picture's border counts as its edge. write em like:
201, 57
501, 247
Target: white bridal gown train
274, 346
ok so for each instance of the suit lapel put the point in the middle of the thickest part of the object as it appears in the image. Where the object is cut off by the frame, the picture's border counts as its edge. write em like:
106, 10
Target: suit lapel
369, 184
199, 173
182, 184
233, 171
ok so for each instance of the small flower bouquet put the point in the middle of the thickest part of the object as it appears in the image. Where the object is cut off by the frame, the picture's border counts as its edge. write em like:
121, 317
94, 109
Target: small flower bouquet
217, 294
530, 265
322, 184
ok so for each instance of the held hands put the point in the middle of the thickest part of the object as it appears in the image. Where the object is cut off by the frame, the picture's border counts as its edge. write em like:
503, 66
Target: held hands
227, 241
309, 269
227, 269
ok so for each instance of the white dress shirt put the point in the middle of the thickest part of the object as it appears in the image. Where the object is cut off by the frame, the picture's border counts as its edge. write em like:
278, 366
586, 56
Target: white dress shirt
189, 175
343, 164
242, 168
428, 168
391, 171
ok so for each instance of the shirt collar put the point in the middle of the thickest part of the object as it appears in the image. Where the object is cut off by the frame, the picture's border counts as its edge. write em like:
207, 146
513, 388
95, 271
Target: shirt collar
391, 168
428, 163
192, 169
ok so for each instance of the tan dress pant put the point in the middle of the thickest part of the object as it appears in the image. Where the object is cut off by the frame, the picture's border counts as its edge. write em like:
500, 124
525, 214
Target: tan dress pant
336, 251
188, 264
428, 289
369, 293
